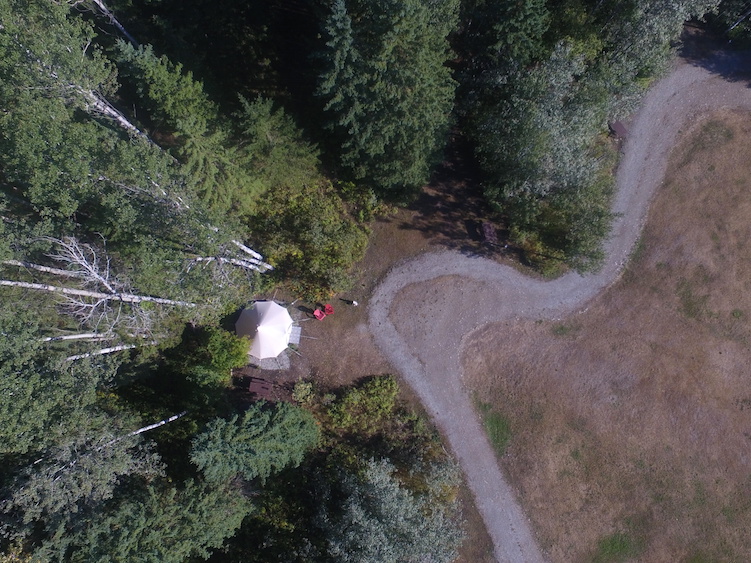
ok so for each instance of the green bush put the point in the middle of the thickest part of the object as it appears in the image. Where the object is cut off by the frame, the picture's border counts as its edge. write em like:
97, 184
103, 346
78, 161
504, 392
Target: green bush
616, 547
303, 392
365, 408
203, 376
226, 350
310, 237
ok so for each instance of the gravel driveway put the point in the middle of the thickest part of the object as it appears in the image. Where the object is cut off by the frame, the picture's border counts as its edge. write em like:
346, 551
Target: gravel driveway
424, 309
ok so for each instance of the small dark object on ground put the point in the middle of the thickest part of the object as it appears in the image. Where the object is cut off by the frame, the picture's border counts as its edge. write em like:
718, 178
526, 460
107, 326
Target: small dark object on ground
473, 229
618, 129
489, 234
261, 388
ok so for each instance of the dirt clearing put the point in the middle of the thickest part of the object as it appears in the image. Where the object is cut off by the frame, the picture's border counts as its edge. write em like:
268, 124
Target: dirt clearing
631, 422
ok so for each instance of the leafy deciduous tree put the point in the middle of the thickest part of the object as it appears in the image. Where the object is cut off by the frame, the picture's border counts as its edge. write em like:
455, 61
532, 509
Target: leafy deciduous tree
311, 236
376, 519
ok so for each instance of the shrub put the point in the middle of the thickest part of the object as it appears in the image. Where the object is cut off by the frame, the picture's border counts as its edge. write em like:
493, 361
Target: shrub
203, 376
225, 350
365, 408
303, 392
310, 238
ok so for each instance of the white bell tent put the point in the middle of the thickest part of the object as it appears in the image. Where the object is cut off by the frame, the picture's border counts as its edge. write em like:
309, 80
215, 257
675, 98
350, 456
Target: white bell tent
270, 327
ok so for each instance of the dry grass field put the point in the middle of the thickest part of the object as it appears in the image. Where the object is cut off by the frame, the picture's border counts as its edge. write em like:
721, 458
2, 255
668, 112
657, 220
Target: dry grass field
631, 421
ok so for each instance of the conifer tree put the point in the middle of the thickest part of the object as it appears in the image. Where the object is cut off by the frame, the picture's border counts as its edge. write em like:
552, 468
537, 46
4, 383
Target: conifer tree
156, 523
388, 91
76, 476
264, 440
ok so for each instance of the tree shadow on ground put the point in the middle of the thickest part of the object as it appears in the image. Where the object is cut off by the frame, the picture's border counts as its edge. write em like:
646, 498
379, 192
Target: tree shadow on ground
451, 209
703, 47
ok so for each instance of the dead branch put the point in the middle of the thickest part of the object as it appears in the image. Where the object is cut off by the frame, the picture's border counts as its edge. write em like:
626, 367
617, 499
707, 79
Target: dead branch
85, 261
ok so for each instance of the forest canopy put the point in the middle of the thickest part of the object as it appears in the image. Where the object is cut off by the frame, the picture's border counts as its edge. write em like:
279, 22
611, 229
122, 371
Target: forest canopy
163, 162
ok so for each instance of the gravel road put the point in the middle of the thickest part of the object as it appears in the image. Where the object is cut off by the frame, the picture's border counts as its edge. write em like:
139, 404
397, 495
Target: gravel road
424, 309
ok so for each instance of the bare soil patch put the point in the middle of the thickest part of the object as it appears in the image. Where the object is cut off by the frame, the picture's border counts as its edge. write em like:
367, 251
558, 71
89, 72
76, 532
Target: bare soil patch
448, 213
631, 422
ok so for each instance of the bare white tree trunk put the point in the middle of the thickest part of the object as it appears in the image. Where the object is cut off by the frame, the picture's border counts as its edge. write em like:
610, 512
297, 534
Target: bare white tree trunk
102, 352
91, 336
113, 20
234, 261
87, 266
96, 103
123, 297
143, 429
743, 17
116, 440
40, 268
247, 249
173, 418
256, 257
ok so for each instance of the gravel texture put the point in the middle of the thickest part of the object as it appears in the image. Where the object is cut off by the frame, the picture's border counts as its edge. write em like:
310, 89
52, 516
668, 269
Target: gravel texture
425, 308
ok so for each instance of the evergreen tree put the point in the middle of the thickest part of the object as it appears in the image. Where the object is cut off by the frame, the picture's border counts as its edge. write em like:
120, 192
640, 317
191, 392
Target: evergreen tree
177, 104
271, 144
387, 88
156, 523
262, 441
227, 166
74, 478
43, 398
503, 34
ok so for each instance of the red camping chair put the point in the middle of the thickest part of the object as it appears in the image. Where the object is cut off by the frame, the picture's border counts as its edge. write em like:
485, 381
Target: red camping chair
328, 309
318, 314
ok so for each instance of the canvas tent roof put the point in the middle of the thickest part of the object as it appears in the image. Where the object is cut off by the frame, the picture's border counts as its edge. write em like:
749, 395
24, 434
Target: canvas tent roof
269, 325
